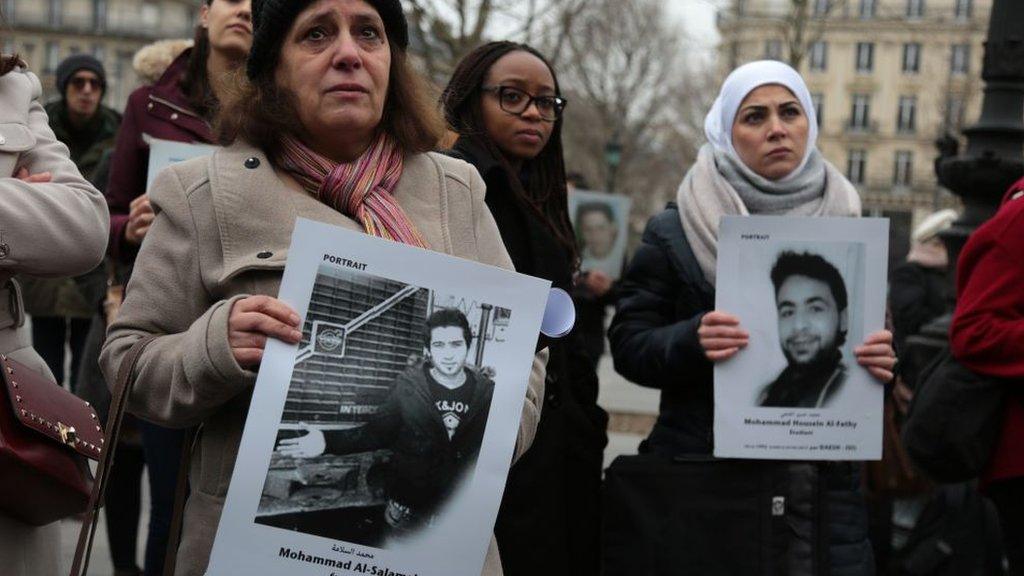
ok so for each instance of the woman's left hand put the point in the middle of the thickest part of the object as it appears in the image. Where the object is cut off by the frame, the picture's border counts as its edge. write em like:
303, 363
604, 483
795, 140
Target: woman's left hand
877, 355
41, 178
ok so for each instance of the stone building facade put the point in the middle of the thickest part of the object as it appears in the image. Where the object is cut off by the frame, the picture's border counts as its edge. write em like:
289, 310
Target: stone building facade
44, 32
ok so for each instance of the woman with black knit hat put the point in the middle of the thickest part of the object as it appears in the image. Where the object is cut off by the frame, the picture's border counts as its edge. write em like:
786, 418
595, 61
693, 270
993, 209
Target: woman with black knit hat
330, 123
504, 102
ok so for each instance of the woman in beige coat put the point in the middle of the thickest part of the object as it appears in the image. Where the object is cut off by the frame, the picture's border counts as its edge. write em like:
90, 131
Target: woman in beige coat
332, 125
54, 224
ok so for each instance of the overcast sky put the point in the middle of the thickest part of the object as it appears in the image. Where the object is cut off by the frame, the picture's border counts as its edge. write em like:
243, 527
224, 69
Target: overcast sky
697, 18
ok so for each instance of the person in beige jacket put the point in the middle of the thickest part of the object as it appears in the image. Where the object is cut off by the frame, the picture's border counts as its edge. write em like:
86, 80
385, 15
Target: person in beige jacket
54, 224
330, 124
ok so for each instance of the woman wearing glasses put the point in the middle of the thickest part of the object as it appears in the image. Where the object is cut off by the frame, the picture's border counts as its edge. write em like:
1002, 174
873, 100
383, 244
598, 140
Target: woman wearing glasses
503, 102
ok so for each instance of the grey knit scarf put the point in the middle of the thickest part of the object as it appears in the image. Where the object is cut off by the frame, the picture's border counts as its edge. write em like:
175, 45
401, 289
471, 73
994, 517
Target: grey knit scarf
719, 185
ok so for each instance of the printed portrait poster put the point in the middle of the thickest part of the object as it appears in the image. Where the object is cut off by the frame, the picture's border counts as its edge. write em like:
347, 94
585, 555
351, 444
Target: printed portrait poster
380, 444
164, 153
809, 291
601, 222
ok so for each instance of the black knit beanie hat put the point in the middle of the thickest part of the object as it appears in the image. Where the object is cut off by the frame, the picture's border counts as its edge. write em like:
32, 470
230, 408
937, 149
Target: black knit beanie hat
74, 63
272, 19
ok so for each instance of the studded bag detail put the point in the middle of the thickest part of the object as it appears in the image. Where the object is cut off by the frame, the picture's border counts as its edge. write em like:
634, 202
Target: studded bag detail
46, 435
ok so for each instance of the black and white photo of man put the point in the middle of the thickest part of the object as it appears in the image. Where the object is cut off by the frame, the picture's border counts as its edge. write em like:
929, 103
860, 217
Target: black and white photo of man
433, 422
812, 310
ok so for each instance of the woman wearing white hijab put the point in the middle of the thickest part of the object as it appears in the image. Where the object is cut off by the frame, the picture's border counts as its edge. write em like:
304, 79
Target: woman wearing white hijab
761, 159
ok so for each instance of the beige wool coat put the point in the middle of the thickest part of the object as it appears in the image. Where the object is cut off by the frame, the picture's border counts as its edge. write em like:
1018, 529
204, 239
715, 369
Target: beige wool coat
53, 229
222, 232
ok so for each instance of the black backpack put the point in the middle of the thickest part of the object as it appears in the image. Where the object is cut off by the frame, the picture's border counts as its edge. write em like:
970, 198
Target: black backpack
954, 420
957, 534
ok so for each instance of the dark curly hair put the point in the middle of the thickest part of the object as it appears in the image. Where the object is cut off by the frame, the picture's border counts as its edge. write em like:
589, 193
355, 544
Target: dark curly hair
444, 317
811, 266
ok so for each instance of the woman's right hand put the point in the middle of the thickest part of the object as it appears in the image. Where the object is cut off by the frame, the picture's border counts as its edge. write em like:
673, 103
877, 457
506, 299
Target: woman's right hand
255, 318
140, 217
720, 336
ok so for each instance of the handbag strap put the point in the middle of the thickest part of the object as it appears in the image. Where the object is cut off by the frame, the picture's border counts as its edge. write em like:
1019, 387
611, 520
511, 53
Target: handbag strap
118, 402
180, 495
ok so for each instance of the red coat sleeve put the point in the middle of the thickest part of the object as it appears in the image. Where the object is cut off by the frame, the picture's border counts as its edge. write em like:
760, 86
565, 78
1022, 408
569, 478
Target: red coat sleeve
987, 334
127, 174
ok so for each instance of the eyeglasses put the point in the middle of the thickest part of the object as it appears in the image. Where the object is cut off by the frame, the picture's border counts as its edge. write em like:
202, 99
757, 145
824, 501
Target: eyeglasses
80, 82
516, 101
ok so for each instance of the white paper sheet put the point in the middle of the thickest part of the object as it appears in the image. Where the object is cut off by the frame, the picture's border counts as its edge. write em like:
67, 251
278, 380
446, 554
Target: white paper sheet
796, 391
364, 302
164, 153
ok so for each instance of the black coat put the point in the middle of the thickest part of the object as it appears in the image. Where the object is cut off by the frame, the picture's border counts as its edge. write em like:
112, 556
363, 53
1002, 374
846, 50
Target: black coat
425, 464
663, 297
917, 295
549, 522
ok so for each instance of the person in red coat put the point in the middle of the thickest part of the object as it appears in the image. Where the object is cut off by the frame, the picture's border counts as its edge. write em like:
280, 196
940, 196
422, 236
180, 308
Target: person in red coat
987, 336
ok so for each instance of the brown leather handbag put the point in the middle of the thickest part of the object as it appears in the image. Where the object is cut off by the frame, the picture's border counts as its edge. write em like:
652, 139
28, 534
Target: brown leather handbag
46, 435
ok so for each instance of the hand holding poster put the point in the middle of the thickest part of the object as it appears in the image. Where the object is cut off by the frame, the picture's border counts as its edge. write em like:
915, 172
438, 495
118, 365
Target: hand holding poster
381, 443
601, 222
808, 291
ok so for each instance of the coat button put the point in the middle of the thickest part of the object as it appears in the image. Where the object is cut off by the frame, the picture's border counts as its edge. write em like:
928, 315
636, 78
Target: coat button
252, 163
5, 251
264, 255
149, 106
174, 116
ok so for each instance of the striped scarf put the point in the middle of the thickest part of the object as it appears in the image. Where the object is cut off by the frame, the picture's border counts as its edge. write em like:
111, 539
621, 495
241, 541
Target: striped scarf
361, 189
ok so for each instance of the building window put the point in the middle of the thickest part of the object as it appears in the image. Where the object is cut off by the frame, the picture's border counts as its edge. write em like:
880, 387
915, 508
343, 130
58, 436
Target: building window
56, 12
867, 9
955, 107
52, 57
860, 114
99, 52
9, 11
99, 14
819, 56
865, 57
903, 172
906, 115
818, 101
915, 8
8, 46
960, 62
856, 166
773, 50
74, 50
911, 58
963, 9
821, 8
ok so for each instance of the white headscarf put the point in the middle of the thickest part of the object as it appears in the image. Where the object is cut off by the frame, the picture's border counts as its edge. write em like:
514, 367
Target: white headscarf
738, 85
720, 184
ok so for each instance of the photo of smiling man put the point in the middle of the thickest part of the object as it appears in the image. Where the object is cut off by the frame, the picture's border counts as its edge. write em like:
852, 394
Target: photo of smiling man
813, 320
432, 421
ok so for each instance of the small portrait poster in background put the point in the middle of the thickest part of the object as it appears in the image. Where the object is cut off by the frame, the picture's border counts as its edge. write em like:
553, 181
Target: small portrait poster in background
166, 153
601, 222
809, 291
380, 444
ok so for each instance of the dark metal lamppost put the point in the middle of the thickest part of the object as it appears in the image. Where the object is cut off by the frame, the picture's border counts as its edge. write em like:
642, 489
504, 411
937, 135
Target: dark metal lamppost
994, 158
613, 158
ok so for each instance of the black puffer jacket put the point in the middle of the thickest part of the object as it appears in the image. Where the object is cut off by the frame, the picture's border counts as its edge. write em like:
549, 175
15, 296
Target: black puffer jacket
662, 298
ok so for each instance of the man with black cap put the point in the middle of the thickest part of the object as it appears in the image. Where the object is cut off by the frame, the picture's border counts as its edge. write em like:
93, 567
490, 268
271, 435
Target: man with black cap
60, 309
